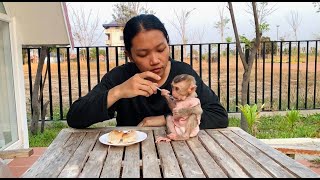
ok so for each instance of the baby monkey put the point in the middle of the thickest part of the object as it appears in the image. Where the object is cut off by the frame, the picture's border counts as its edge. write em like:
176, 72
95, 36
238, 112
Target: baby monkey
186, 109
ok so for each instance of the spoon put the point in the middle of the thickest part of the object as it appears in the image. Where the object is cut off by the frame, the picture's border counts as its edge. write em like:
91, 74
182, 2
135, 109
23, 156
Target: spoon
170, 96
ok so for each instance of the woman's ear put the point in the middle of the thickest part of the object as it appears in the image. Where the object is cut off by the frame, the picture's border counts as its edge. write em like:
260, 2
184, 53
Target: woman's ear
128, 55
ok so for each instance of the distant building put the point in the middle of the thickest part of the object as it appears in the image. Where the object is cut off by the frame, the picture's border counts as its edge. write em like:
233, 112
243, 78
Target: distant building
114, 33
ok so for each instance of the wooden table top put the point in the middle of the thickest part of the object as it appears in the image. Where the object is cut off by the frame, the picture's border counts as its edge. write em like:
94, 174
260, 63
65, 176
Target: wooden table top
215, 153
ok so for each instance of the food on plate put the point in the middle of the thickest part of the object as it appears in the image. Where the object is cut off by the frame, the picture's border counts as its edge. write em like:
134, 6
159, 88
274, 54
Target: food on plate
129, 136
115, 136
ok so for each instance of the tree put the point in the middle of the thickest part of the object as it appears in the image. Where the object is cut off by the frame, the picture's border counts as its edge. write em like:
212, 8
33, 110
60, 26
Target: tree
124, 11
317, 5
222, 23
181, 26
263, 10
199, 34
294, 21
229, 39
37, 112
247, 64
86, 28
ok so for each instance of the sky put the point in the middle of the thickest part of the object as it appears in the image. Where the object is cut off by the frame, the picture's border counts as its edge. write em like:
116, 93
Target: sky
205, 15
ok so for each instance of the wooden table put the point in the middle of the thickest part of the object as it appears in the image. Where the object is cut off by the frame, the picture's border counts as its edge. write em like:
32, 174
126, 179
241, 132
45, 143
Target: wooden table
227, 152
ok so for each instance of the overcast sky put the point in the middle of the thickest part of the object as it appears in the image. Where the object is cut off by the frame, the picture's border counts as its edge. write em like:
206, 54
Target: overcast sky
206, 15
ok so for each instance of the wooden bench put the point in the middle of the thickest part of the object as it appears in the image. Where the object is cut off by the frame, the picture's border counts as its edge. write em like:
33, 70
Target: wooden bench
11, 154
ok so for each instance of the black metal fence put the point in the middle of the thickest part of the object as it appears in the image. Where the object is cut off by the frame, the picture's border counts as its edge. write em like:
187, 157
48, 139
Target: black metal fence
284, 75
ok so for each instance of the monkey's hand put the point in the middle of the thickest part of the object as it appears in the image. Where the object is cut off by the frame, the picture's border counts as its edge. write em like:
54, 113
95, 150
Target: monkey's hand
165, 92
159, 139
172, 136
176, 137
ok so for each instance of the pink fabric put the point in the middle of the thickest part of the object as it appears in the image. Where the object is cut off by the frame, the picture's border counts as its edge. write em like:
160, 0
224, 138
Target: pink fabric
179, 122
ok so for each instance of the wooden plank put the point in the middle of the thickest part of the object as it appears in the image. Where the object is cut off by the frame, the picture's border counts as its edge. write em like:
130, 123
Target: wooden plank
269, 164
56, 161
169, 163
150, 163
293, 166
95, 161
54, 148
246, 161
250, 166
189, 166
79, 158
11, 154
208, 165
223, 159
131, 168
112, 165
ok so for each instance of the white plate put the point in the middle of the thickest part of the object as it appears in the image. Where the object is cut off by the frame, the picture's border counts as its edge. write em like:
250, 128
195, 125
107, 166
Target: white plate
104, 139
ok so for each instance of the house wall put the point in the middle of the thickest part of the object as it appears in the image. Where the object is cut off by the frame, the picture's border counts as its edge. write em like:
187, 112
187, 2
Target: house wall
115, 34
19, 85
19, 113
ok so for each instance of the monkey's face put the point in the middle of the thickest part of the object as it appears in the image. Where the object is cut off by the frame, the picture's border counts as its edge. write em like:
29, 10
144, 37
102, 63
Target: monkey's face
180, 91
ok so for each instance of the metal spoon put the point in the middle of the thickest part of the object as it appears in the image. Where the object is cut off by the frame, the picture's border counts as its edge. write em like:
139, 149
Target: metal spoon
170, 96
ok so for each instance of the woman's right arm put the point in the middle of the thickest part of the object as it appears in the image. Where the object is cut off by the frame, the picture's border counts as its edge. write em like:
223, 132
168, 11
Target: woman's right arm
100, 103
93, 107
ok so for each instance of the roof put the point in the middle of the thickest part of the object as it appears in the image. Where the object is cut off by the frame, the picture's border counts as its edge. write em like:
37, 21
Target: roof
112, 24
41, 23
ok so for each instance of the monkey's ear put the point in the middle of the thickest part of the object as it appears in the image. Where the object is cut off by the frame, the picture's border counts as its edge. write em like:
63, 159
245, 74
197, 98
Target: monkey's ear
192, 88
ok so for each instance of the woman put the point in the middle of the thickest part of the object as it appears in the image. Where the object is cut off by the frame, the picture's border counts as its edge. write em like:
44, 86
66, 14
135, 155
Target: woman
131, 89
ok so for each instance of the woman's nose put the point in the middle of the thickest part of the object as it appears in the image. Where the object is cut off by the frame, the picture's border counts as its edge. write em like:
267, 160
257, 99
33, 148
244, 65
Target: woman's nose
154, 59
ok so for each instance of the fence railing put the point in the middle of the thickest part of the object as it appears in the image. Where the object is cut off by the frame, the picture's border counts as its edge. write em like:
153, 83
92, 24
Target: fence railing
284, 75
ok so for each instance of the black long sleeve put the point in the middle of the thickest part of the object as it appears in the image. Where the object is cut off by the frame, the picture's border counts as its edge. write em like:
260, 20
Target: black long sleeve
92, 108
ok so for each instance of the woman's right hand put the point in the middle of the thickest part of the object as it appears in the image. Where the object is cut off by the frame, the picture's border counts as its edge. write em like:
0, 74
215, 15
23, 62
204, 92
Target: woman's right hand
139, 84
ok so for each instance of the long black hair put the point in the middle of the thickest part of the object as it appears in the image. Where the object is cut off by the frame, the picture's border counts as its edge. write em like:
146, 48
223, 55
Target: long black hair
139, 23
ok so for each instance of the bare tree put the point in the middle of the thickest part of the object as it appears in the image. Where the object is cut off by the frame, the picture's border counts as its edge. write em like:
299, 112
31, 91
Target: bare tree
37, 94
247, 64
294, 21
263, 10
221, 25
198, 34
181, 25
86, 27
317, 5
124, 11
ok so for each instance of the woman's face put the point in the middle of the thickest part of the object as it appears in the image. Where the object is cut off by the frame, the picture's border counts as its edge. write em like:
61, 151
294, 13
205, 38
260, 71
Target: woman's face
150, 52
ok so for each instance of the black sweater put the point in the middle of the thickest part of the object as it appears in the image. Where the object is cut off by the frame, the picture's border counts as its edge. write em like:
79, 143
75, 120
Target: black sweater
92, 108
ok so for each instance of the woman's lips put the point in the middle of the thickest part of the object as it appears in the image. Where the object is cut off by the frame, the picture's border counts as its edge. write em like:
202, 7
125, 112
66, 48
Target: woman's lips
157, 70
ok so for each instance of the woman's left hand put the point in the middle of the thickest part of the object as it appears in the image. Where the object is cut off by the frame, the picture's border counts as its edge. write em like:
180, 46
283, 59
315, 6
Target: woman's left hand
153, 121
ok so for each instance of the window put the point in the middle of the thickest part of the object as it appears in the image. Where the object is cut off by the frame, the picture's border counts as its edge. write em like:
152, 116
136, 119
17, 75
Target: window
8, 115
108, 36
121, 38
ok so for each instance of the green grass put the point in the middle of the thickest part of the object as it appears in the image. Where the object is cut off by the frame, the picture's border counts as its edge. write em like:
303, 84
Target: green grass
44, 139
278, 127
